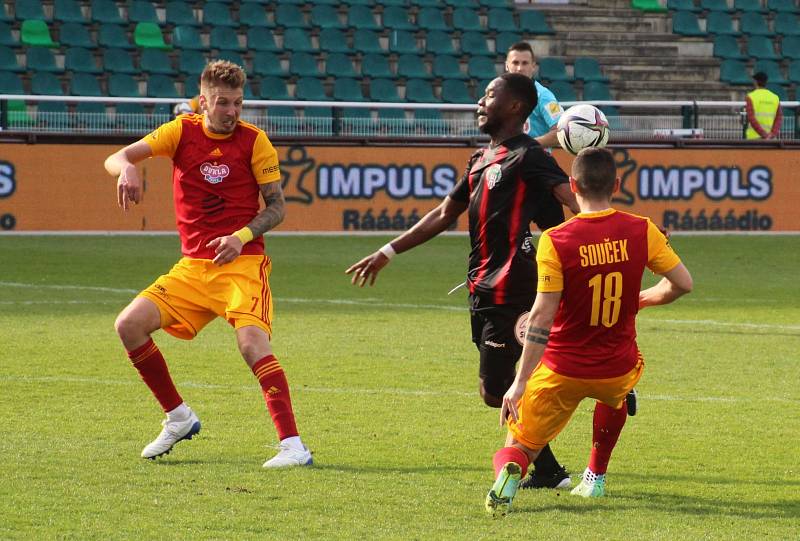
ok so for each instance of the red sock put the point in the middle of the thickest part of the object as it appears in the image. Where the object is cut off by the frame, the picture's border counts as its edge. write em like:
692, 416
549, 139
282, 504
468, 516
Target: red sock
606, 428
276, 392
510, 454
147, 359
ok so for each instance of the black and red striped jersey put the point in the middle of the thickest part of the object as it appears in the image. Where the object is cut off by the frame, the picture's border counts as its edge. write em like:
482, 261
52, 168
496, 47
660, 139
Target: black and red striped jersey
507, 187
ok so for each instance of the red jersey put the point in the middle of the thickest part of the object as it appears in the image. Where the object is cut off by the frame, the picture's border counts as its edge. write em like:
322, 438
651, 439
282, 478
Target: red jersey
215, 180
597, 261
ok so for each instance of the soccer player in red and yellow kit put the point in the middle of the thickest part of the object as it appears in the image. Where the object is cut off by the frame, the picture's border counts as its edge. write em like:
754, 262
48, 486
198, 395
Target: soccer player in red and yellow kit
220, 166
581, 336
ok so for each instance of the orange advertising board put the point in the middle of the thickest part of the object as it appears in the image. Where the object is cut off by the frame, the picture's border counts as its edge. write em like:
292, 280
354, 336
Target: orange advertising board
47, 187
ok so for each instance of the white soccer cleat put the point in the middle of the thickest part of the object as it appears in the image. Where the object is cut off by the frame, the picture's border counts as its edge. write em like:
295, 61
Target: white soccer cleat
289, 457
173, 432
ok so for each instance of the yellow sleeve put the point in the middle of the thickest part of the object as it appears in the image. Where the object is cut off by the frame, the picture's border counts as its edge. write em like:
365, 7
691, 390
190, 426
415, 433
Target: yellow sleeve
551, 278
661, 257
164, 140
265, 160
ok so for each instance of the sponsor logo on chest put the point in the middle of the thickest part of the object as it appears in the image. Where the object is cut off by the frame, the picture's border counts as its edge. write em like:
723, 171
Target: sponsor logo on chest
493, 175
213, 173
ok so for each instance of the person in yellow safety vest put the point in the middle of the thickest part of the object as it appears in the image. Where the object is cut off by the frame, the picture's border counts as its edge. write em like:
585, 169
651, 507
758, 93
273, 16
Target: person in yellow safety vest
764, 117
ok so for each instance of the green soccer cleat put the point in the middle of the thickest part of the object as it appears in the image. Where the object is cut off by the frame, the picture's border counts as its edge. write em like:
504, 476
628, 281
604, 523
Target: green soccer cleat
498, 501
591, 485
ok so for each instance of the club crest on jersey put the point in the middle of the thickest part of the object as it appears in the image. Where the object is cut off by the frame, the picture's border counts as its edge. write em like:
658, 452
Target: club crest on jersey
214, 174
493, 175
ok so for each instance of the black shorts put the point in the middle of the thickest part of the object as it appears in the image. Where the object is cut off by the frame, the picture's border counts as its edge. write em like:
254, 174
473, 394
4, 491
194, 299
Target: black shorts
494, 332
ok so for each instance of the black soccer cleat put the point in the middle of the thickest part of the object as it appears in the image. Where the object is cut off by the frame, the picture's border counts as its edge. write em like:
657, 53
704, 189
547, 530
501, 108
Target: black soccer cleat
630, 401
558, 479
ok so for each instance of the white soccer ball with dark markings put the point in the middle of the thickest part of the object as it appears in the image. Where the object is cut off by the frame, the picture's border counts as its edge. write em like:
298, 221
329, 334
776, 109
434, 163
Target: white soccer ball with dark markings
582, 126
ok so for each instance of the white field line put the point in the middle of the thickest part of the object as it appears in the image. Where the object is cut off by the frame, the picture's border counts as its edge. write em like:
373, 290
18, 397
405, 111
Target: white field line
374, 304
37, 380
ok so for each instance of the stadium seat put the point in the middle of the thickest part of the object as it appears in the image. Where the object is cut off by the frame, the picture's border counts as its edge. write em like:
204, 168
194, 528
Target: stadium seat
92, 114
75, 35
466, 19
140, 11
403, 42
790, 47
106, 12
261, 39
430, 122
41, 59
192, 62
84, 84
754, 24
534, 22
563, 91
68, 11
462, 3
773, 71
431, 18
794, 72
187, 37
297, 40
397, 18
310, 88
36, 32
274, 88
179, 12
411, 66
332, 40
749, 6
715, 5
29, 10
225, 38
347, 89
129, 116
230, 56
728, 47
447, 67
782, 6
502, 20
8, 60
376, 66
496, 3
267, 63
340, 65
162, 86
401, 3
393, 121
588, 69
474, 43
80, 60
46, 84
480, 67
112, 35
720, 24
456, 92
553, 69
323, 16
118, 61
682, 5
648, 5
685, 23
420, 91
355, 121
761, 47
383, 90
504, 40
779, 90
155, 61
596, 91
317, 120
438, 42
54, 115
289, 16
366, 41
303, 65
148, 35
361, 17
254, 15
216, 14
734, 72
10, 83
787, 25
6, 37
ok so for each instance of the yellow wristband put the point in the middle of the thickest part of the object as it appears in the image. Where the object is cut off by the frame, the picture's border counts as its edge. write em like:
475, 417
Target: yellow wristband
245, 234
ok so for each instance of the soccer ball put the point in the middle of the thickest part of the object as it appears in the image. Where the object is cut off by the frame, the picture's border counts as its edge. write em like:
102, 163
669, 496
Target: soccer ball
582, 126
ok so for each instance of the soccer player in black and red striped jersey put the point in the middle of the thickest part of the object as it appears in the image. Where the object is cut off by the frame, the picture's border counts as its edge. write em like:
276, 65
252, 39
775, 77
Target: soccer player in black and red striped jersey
506, 185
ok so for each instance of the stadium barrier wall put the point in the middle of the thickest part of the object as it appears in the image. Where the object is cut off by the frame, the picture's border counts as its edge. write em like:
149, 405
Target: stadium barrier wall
47, 187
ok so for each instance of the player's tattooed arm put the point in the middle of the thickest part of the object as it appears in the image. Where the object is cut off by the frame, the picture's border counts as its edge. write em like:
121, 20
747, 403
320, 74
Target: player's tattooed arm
537, 335
275, 210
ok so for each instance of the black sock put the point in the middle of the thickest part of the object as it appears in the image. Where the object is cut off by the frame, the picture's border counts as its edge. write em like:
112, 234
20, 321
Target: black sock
546, 463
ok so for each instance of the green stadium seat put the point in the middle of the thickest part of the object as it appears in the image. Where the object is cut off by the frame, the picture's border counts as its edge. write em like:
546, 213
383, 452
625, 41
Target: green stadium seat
46, 84
179, 12
447, 67
553, 69
431, 18
475, 43
393, 121
682, 5
289, 16
384, 90
118, 61
361, 17
297, 40
480, 67
54, 115
787, 25
790, 47
303, 65
466, 19
347, 89
588, 69
782, 6
10, 83
333, 40
596, 91
261, 39
438, 42
749, 6
397, 18
403, 42
187, 37
411, 66
230, 56
376, 66
496, 3
734, 72
80, 60
720, 24
140, 11
35, 32
356, 121
728, 47
266, 63
779, 90
254, 15
754, 24
75, 35
92, 114
273, 88
84, 84
761, 47
4, 15
41, 59
794, 72
563, 91
317, 120
30, 9
191, 62
217, 14
398, 3
8, 60
162, 86
462, 3
502, 20
112, 35
773, 71
106, 12
685, 23
504, 40
130, 116
324, 16
648, 5
149, 36
430, 122
6, 37
420, 91
155, 61
366, 41
715, 5
225, 38
340, 65
456, 92
68, 11
311, 89
534, 22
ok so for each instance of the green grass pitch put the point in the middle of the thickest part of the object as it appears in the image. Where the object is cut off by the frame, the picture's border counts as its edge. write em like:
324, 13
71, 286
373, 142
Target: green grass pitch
384, 385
